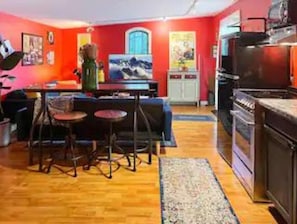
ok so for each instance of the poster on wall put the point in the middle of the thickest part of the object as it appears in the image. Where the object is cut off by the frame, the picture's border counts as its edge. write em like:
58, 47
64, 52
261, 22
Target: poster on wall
182, 50
82, 39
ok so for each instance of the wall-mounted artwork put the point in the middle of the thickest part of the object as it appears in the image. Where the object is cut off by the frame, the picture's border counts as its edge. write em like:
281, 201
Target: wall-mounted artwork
126, 66
50, 57
50, 37
182, 47
82, 39
32, 46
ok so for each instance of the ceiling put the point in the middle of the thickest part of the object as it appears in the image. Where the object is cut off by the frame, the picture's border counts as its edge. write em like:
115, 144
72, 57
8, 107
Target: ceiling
74, 13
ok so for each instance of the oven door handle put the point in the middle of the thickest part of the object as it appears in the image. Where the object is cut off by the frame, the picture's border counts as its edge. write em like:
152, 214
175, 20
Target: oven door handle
237, 115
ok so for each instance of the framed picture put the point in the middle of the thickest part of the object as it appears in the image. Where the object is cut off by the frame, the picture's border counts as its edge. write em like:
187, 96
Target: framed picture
182, 47
128, 66
50, 37
50, 57
32, 46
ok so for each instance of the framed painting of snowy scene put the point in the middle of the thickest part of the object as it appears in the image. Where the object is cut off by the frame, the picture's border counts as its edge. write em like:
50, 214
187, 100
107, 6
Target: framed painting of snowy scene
126, 66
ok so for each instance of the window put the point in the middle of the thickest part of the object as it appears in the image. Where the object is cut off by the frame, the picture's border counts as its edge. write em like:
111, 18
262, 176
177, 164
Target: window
138, 41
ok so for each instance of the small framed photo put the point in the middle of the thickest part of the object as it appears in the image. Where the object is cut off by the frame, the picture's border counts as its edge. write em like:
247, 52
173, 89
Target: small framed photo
32, 46
50, 37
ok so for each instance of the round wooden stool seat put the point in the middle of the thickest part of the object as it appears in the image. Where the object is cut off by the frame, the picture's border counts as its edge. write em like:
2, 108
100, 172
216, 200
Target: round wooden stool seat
74, 116
110, 115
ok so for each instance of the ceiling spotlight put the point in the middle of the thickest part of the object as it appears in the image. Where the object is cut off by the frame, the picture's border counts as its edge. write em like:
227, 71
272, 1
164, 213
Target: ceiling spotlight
90, 29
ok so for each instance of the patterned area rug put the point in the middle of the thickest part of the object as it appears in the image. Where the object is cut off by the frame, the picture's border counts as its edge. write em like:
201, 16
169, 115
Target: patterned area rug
194, 117
191, 194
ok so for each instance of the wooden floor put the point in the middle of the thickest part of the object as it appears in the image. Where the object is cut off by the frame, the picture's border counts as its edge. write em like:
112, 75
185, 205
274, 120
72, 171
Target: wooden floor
32, 197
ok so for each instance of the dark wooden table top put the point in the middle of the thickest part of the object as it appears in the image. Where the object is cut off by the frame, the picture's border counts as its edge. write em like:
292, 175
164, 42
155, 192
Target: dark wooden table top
102, 87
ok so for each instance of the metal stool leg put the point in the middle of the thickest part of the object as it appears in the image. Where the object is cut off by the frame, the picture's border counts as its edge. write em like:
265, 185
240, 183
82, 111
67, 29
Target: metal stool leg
66, 146
51, 162
110, 149
71, 141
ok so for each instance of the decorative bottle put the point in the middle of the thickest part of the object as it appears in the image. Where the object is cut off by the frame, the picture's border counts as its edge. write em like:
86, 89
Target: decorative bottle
89, 76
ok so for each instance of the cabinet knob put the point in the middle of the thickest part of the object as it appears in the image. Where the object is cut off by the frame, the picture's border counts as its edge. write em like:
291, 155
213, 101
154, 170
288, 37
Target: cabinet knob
190, 76
175, 76
292, 146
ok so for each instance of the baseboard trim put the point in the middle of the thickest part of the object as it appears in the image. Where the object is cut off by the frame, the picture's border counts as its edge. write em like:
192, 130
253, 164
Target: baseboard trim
203, 102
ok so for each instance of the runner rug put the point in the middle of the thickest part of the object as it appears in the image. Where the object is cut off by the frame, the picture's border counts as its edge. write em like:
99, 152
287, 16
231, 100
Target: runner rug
190, 193
192, 117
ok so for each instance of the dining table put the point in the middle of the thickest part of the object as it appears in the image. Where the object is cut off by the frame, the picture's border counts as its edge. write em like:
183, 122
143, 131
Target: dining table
135, 89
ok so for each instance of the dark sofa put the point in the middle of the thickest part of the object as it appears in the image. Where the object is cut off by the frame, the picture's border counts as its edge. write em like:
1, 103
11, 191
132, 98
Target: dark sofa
157, 111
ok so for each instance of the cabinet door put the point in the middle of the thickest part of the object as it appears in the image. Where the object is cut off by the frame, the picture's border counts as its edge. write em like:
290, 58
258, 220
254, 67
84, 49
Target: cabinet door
175, 90
279, 179
190, 90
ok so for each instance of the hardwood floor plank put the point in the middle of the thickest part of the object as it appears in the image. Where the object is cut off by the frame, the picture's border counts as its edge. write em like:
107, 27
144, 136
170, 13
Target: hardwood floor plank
130, 197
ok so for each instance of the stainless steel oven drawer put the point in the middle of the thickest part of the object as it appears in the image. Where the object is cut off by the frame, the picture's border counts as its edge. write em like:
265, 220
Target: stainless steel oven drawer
243, 173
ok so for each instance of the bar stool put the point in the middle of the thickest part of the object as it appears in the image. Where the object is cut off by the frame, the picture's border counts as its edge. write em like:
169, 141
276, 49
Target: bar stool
67, 119
111, 116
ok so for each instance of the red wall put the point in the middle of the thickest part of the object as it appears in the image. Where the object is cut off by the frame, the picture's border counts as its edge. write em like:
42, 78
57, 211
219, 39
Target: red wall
11, 28
111, 40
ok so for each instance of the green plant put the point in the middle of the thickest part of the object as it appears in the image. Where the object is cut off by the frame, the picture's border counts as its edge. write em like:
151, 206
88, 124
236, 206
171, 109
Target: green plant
3, 79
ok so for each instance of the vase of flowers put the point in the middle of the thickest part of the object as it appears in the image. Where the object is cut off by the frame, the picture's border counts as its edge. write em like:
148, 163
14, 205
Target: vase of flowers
182, 64
89, 78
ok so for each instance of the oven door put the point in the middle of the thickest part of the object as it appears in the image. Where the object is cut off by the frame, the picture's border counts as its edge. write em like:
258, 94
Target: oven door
226, 84
243, 139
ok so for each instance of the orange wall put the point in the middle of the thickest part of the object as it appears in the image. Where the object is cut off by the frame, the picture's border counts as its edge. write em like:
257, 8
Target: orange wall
11, 28
111, 40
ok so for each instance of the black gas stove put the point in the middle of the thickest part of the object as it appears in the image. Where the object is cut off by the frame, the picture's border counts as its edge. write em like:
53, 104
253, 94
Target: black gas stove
247, 98
247, 126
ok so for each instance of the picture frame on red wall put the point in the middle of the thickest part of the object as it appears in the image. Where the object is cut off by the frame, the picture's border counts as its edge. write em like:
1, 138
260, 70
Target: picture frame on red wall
50, 37
32, 46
